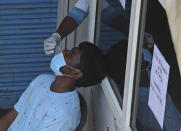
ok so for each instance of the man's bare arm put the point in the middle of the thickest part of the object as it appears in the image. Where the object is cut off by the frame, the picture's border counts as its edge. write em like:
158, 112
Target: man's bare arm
7, 119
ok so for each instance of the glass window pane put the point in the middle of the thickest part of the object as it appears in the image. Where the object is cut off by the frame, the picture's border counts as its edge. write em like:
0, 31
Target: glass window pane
113, 40
157, 32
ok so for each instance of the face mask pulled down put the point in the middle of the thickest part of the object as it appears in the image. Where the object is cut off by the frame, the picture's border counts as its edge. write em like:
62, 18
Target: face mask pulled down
57, 62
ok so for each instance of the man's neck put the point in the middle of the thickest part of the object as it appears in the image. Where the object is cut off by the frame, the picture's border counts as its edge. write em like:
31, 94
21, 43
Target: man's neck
62, 84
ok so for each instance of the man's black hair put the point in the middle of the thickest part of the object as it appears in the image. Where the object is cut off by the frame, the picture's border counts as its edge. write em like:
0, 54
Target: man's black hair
92, 64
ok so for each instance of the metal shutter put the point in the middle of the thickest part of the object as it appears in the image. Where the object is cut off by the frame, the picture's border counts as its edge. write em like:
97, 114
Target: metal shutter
24, 24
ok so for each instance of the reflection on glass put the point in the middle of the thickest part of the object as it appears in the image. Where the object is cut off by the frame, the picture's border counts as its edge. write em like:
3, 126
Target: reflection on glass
157, 32
114, 39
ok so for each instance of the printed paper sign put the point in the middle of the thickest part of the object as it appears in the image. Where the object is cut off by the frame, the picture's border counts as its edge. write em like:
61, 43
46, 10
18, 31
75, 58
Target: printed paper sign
123, 3
158, 85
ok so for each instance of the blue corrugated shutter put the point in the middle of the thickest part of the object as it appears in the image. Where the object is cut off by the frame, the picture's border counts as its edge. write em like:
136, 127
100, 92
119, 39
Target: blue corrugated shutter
24, 24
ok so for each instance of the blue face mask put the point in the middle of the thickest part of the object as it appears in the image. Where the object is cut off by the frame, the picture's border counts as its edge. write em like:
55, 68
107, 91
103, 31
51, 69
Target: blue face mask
57, 62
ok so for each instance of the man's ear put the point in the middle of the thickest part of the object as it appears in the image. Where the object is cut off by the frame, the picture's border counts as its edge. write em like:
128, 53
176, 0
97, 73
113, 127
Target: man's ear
77, 75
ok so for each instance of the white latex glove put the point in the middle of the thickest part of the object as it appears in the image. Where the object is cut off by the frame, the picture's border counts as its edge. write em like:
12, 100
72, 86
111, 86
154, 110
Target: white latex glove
51, 43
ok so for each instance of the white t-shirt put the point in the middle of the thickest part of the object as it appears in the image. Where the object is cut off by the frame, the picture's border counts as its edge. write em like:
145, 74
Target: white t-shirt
40, 109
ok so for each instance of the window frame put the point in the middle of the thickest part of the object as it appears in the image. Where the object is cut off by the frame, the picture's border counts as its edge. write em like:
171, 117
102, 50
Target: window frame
133, 65
124, 113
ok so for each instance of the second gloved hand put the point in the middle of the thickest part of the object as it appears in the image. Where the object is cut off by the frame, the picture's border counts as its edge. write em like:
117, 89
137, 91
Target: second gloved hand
51, 43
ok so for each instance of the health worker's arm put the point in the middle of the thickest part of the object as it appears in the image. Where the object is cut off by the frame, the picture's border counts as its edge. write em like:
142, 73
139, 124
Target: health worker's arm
73, 19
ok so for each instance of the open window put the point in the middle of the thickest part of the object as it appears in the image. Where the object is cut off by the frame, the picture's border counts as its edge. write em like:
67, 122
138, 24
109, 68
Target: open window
145, 24
121, 98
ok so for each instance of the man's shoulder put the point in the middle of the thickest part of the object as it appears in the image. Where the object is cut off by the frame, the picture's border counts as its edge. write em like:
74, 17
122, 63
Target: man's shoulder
44, 77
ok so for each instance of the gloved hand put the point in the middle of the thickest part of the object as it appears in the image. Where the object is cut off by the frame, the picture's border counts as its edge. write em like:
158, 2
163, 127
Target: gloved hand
51, 43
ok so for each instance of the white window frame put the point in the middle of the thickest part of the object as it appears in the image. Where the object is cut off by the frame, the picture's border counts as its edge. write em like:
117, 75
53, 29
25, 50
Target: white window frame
133, 65
123, 115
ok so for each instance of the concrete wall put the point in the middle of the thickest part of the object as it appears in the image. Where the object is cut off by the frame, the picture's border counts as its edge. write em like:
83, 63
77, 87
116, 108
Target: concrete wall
103, 116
